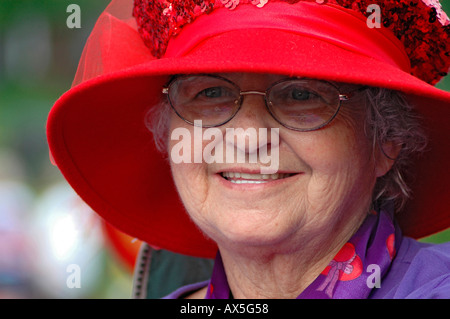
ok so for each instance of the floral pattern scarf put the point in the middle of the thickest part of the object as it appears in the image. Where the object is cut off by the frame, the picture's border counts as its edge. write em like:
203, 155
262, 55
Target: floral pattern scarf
353, 273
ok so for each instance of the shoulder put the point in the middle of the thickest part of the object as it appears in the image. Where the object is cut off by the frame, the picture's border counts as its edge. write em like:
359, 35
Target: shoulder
192, 291
419, 271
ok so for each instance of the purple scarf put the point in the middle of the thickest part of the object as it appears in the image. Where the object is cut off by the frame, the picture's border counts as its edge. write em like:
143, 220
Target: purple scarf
355, 270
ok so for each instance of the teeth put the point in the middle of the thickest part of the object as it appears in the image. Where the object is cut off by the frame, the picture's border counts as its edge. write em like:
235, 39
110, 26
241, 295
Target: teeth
242, 181
252, 178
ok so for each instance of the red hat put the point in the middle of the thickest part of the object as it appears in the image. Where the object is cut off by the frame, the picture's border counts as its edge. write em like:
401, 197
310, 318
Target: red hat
97, 133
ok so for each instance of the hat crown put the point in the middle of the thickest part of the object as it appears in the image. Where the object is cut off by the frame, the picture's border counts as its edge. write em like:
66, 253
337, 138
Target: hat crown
421, 25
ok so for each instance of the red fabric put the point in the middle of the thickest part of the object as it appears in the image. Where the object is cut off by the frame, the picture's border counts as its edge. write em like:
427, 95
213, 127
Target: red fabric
98, 139
420, 25
309, 19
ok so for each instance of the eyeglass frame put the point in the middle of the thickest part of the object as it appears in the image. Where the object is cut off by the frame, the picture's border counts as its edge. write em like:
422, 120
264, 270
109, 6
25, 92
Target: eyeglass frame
242, 94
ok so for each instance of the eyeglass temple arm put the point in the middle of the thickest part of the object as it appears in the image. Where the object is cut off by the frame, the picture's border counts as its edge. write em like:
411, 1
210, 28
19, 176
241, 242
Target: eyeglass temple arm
349, 95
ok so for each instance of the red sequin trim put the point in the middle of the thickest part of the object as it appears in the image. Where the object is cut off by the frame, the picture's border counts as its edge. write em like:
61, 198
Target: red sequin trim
421, 25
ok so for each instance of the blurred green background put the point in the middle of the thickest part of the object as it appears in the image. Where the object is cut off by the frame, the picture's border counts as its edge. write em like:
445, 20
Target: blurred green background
43, 227
42, 231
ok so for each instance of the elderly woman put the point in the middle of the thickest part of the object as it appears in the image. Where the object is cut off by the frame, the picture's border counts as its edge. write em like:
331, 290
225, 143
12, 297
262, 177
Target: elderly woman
287, 134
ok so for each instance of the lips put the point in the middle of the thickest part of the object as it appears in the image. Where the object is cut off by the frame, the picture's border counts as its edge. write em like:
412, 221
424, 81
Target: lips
246, 178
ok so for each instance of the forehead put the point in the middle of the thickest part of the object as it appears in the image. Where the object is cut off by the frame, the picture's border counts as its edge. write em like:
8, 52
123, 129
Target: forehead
249, 80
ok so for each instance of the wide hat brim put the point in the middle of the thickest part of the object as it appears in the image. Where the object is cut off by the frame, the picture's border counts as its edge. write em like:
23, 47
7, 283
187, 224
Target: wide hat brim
98, 137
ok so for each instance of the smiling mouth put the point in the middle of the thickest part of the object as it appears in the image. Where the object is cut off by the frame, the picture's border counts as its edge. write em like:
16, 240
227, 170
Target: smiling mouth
245, 178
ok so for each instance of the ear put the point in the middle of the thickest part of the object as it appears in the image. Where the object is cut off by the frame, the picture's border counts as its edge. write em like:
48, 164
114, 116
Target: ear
385, 156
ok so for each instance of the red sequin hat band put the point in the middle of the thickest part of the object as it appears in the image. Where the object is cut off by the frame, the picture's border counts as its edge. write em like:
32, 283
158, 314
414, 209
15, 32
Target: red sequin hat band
306, 19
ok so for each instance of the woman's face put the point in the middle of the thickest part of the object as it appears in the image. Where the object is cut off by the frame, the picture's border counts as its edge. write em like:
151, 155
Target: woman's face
324, 186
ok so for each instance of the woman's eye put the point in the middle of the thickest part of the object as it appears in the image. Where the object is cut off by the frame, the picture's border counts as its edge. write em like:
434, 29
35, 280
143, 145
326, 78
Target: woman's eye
300, 95
212, 92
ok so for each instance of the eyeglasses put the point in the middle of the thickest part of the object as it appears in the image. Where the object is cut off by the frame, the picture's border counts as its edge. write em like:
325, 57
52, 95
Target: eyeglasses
296, 103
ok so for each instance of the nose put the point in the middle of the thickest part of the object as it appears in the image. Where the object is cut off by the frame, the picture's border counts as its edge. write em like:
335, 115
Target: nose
252, 112
248, 131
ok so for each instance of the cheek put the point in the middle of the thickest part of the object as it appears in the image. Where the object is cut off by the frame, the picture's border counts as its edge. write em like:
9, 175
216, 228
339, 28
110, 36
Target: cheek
194, 191
339, 164
189, 177
331, 152
344, 147
192, 178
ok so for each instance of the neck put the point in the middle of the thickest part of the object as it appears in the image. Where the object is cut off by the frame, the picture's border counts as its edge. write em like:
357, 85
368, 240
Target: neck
273, 272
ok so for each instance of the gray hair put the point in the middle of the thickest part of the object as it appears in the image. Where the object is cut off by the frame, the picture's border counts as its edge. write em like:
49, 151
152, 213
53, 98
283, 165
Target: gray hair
157, 121
389, 118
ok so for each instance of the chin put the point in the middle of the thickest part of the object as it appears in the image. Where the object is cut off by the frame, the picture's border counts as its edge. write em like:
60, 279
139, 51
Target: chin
253, 229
